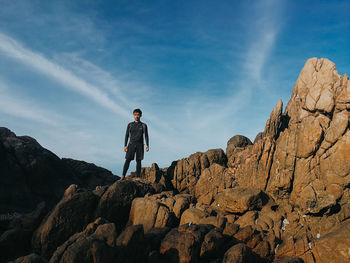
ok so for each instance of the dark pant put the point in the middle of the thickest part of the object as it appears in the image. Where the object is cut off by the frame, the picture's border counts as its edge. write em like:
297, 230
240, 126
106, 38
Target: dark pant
126, 166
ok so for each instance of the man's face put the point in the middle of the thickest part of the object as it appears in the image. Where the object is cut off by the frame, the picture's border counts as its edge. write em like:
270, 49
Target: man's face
137, 116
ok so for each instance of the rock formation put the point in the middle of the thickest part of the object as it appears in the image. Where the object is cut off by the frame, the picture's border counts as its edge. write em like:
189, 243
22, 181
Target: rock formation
30, 174
284, 198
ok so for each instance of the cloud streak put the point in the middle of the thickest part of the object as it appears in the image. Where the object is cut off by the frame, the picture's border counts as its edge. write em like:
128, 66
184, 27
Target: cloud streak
15, 50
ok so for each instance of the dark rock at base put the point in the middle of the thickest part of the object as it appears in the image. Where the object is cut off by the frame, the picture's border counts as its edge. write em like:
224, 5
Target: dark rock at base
16, 240
89, 174
31, 258
71, 215
240, 253
30, 174
114, 205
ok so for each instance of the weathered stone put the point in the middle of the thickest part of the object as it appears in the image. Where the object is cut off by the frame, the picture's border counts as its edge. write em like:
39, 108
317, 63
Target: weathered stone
240, 253
239, 200
60, 224
150, 213
183, 244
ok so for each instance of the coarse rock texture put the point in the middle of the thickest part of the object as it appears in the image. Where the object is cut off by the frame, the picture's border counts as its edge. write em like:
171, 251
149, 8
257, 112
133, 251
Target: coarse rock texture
284, 198
30, 174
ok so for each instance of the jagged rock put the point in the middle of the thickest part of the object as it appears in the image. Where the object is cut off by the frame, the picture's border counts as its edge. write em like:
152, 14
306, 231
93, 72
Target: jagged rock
158, 177
274, 123
114, 205
16, 240
259, 136
237, 141
153, 238
96, 243
286, 197
89, 174
70, 215
30, 174
197, 216
214, 245
239, 200
150, 213
290, 260
184, 173
213, 179
183, 244
240, 253
333, 245
31, 258
131, 244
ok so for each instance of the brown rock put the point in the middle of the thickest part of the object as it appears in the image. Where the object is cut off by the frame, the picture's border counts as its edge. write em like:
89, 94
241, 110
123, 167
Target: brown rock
213, 179
185, 172
150, 213
273, 125
193, 216
183, 244
214, 244
131, 243
114, 205
16, 240
31, 258
334, 245
239, 200
290, 260
240, 253
95, 244
239, 141
60, 224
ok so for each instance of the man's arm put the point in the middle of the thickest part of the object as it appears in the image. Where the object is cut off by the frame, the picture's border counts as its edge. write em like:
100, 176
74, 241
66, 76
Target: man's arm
146, 135
127, 135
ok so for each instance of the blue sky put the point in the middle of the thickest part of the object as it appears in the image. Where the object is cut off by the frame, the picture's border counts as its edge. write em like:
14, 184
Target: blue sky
71, 72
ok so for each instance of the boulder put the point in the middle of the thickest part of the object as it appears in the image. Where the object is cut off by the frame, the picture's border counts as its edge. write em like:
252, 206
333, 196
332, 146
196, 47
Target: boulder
16, 240
30, 174
74, 211
115, 204
150, 213
213, 179
237, 141
96, 243
183, 244
240, 253
89, 174
240, 200
31, 258
185, 173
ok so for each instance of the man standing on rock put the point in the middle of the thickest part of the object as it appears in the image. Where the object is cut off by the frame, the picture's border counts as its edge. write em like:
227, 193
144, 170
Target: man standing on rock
135, 130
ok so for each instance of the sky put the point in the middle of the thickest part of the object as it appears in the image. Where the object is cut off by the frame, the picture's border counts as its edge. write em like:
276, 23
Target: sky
71, 72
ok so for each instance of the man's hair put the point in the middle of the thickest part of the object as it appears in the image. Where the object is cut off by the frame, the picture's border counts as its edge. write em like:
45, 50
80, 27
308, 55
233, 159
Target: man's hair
137, 110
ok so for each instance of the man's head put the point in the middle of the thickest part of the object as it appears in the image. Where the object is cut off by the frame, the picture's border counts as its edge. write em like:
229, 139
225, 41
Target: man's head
137, 114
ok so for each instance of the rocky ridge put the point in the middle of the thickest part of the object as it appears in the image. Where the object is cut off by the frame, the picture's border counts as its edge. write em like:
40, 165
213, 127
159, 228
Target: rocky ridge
283, 198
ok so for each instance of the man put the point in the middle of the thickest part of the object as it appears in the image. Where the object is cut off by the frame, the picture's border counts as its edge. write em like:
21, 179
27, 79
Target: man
135, 130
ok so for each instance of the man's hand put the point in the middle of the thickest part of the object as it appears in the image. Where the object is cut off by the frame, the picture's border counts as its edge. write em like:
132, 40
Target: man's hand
125, 148
147, 148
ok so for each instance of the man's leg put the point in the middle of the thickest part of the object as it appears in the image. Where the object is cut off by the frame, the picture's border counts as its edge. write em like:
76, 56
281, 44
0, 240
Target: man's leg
126, 167
138, 168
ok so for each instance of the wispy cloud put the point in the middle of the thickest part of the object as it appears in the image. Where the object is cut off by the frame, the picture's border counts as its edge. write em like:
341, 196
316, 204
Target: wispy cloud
15, 50
14, 105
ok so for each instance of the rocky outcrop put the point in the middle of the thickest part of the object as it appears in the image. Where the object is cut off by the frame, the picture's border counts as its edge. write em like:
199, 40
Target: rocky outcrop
283, 198
16, 240
89, 174
60, 224
237, 141
185, 173
30, 174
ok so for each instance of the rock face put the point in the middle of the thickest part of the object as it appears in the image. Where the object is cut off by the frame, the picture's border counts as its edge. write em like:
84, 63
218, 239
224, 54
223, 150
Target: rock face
30, 174
283, 198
